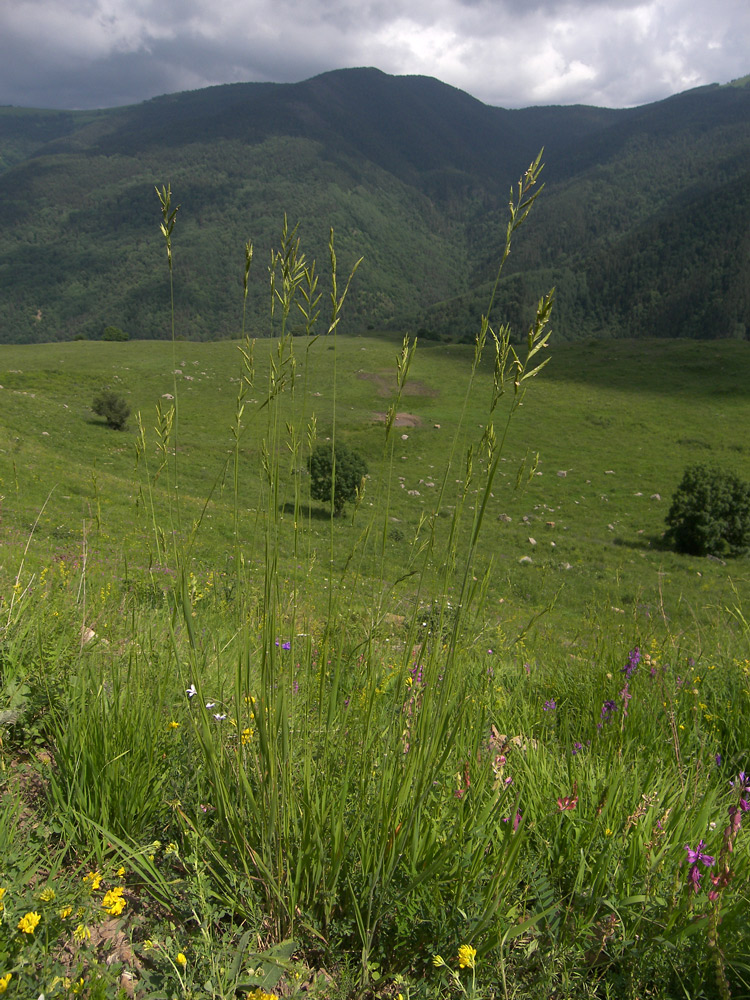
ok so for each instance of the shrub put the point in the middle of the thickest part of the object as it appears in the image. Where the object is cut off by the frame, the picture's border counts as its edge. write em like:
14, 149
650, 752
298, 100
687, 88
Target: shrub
710, 513
115, 333
350, 470
113, 408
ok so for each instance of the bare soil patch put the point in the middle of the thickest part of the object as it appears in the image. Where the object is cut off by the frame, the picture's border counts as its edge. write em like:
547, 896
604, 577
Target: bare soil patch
401, 419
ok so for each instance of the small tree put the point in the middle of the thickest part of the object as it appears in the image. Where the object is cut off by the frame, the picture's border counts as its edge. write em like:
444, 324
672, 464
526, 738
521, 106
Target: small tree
710, 513
343, 482
112, 407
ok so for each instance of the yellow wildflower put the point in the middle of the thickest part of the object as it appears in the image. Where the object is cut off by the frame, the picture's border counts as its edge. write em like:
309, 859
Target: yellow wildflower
65, 912
438, 961
246, 735
82, 933
4, 980
47, 895
466, 956
181, 960
94, 878
120, 872
28, 922
173, 725
113, 902
2, 893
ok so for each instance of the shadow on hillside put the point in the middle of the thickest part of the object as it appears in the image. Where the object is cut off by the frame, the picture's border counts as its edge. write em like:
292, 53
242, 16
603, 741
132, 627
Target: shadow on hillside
643, 542
307, 510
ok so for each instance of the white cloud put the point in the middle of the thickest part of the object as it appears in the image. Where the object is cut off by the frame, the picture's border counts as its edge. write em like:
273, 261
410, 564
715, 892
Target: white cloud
86, 53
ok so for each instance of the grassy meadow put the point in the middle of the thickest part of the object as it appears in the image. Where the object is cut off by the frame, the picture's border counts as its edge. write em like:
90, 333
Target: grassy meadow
483, 735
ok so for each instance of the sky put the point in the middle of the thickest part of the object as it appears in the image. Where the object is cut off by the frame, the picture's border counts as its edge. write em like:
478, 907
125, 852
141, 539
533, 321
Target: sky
508, 53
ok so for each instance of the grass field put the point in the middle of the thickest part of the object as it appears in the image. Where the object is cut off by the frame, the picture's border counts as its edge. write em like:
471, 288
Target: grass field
614, 425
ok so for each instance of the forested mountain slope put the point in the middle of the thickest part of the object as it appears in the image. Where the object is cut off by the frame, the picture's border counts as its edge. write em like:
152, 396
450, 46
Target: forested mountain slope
643, 225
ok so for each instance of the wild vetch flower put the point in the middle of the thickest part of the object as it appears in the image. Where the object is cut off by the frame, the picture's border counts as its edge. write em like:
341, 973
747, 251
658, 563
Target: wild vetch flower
694, 875
695, 856
516, 820
466, 956
28, 922
625, 695
608, 709
549, 705
634, 658
569, 801
717, 758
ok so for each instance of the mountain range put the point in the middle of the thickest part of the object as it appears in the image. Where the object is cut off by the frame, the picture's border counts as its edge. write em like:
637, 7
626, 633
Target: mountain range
643, 227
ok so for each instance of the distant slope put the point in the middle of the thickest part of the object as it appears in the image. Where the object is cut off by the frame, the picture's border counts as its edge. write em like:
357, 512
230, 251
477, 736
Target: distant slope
642, 227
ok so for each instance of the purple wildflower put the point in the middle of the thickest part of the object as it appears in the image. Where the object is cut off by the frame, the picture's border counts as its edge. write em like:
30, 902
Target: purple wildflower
634, 658
608, 710
550, 705
694, 875
695, 856
625, 695
717, 758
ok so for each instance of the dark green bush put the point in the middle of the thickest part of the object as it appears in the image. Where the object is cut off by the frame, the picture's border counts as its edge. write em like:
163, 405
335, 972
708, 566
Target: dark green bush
350, 470
115, 333
112, 407
710, 513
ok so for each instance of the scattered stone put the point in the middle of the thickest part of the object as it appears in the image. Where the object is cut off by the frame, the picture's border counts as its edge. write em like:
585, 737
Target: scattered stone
609, 472
404, 437
550, 524
525, 560
566, 565
167, 395
562, 474
532, 541
504, 517
655, 496
436, 426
